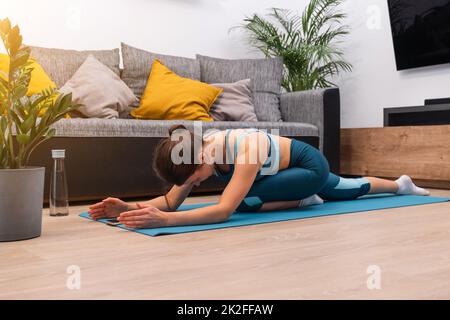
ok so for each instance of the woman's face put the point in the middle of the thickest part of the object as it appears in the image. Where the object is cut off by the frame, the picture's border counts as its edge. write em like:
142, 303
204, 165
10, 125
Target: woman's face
203, 172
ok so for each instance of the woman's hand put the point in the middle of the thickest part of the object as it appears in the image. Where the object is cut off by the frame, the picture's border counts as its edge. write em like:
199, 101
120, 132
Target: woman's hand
148, 217
108, 208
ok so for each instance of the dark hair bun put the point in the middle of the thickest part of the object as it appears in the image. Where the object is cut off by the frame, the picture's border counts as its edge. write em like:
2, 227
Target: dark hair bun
175, 127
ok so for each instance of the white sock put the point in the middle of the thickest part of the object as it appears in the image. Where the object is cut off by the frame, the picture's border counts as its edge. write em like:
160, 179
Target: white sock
311, 200
406, 186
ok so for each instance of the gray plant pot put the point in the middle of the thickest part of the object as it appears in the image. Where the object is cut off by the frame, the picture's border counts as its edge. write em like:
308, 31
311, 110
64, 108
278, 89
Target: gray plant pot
21, 202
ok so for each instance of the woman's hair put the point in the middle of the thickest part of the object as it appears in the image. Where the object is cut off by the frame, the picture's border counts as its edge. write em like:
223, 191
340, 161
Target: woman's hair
163, 165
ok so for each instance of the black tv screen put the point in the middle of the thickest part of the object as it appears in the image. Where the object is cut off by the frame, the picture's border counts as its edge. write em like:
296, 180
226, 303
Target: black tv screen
421, 32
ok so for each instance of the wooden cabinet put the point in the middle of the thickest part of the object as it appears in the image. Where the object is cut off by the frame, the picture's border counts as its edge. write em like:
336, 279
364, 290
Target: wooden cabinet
422, 152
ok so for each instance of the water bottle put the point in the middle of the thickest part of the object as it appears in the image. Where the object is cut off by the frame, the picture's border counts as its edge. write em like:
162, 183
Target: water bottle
59, 200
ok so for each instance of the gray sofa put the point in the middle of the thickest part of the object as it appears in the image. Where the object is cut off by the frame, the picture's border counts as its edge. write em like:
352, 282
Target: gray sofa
112, 157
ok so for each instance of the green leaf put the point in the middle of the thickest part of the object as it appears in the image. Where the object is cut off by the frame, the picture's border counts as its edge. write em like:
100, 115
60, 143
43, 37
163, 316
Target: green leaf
66, 100
3, 124
5, 26
28, 123
15, 41
20, 91
23, 138
44, 121
20, 60
15, 118
51, 133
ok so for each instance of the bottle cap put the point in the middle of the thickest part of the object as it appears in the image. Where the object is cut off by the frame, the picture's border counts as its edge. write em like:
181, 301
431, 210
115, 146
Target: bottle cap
58, 154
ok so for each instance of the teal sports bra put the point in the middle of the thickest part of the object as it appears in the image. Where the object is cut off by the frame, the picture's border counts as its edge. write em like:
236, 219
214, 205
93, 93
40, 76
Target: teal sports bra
270, 166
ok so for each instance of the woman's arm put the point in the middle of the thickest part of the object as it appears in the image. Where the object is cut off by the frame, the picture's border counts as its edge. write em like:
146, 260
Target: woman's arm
113, 207
236, 190
220, 213
175, 197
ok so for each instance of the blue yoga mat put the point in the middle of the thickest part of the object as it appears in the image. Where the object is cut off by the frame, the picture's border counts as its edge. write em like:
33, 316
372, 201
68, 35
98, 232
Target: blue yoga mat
328, 208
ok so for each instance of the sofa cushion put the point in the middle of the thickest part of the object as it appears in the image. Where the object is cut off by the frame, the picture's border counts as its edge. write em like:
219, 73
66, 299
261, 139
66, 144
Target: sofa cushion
61, 64
101, 92
39, 78
160, 128
235, 103
137, 64
169, 96
266, 76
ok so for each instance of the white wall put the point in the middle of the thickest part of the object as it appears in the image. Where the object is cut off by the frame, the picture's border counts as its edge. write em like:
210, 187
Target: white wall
375, 83
180, 27
187, 27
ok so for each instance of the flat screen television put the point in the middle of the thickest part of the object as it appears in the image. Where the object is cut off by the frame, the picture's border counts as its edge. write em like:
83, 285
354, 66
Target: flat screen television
421, 32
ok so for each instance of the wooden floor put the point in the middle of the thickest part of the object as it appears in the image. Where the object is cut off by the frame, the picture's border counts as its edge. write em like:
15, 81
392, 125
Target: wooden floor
324, 258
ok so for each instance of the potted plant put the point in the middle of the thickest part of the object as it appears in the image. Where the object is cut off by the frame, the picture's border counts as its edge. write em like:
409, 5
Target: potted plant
308, 43
25, 122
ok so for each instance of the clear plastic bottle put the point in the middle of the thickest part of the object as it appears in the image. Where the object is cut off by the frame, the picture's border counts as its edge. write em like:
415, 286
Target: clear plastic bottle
58, 198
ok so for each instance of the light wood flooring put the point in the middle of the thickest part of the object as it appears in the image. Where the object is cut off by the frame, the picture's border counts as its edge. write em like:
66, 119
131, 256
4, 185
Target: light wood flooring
319, 258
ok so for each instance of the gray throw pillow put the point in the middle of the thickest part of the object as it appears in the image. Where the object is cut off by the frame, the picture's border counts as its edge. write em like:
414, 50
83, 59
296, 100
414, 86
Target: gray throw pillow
137, 64
61, 64
266, 76
235, 103
101, 91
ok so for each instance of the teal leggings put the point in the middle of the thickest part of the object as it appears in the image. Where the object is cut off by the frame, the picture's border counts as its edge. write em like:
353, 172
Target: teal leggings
308, 173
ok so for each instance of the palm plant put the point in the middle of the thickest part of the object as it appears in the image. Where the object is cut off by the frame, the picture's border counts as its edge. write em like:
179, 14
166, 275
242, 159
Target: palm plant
308, 43
24, 121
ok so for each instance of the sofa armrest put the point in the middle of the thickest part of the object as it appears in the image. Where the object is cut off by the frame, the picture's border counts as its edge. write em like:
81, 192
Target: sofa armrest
321, 108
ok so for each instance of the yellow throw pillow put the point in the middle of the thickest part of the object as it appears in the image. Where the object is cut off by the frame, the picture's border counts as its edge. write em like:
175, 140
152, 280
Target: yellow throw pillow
171, 97
39, 79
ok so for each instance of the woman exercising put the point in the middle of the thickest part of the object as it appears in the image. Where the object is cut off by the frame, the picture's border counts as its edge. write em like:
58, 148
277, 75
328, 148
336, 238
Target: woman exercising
264, 172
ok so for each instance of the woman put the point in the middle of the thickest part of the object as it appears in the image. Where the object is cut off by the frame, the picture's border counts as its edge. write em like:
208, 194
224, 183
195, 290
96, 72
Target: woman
274, 173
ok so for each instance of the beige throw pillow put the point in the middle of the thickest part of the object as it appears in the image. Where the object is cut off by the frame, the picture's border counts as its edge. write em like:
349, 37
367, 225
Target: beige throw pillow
100, 90
235, 103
